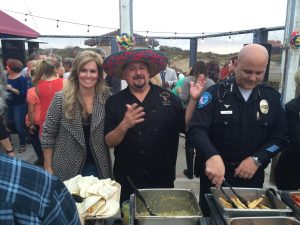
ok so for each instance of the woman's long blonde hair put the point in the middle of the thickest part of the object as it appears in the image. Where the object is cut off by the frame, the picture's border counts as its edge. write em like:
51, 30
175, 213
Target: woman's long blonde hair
71, 90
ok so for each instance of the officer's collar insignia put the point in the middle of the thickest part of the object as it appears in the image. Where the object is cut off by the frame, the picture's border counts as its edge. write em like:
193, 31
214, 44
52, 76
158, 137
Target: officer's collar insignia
165, 98
226, 106
206, 98
264, 106
231, 87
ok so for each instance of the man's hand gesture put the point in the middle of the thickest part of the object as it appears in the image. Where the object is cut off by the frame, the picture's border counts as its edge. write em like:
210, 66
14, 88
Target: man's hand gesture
133, 116
197, 88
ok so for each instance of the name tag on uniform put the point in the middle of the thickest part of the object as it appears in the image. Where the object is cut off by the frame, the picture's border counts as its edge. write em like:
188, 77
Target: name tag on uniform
226, 112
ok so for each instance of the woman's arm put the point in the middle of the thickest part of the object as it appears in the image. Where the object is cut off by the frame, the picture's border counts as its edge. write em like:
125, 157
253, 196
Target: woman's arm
51, 129
48, 154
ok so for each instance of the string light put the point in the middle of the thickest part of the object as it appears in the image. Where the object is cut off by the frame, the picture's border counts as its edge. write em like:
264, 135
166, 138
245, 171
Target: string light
175, 39
198, 35
202, 40
88, 30
146, 39
26, 17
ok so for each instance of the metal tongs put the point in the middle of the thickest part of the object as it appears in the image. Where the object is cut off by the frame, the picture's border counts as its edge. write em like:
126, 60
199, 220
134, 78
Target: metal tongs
227, 198
244, 201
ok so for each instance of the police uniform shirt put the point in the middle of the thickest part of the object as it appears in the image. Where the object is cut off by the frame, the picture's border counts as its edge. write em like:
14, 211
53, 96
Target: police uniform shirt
149, 149
227, 125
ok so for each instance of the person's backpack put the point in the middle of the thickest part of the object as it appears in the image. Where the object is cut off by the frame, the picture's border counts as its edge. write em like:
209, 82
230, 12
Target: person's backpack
213, 71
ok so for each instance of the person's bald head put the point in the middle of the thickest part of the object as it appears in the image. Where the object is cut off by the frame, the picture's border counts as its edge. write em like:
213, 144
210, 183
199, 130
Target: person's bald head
251, 66
253, 50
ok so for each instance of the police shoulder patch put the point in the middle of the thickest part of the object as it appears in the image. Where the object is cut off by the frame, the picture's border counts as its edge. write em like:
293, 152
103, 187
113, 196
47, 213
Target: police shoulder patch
205, 98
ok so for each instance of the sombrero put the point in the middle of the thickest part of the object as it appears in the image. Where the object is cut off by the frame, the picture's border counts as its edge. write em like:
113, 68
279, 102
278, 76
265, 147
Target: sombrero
114, 64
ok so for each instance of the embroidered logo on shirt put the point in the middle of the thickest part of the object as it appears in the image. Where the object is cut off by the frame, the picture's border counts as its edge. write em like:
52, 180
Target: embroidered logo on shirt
226, 106
165, 98
204, 100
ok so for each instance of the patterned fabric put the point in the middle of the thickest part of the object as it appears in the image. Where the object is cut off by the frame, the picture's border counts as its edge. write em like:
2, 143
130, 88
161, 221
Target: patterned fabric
114, 64
30, 195
66, 138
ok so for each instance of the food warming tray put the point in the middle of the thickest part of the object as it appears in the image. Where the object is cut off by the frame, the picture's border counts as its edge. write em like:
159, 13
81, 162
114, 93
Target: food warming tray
250, 194
275, 220
172, 206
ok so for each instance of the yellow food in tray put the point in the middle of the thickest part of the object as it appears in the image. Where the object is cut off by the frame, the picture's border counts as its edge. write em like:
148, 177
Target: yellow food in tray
255, 204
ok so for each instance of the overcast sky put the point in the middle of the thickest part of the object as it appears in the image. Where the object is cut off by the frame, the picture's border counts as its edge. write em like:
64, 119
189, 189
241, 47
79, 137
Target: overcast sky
187, 16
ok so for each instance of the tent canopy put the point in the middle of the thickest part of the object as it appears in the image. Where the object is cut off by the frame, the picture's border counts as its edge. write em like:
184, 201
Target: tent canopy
10, 27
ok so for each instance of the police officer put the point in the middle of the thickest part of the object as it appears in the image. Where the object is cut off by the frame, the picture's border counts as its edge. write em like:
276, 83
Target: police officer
238, 126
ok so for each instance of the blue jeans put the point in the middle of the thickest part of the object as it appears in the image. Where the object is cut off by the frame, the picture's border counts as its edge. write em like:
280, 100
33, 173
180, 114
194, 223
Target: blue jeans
15, 117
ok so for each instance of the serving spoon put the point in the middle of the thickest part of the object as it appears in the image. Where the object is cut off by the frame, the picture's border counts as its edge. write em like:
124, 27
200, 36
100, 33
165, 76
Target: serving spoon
140, 196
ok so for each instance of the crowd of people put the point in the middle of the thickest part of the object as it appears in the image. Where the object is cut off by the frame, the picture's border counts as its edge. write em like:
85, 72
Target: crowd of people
234, 125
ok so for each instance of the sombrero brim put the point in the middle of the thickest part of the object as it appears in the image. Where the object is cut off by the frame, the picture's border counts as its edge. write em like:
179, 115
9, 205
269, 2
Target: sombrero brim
114, 64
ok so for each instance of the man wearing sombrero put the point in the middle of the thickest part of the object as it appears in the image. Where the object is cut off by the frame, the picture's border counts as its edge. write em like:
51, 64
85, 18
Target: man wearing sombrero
143, 121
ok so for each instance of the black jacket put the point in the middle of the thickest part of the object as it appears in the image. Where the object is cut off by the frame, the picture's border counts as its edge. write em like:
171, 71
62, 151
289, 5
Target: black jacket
225, 124
288, 166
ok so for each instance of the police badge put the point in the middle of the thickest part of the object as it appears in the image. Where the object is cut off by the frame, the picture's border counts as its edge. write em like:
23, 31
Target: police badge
264, 106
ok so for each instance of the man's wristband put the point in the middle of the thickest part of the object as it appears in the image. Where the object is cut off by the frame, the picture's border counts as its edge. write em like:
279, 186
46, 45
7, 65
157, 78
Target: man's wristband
10, 151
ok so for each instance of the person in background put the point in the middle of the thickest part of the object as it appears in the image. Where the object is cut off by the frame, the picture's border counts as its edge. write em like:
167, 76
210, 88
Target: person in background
168, 78
73, 140
30, 195
4, 135
48, 83
143, 121
180, 75
198, 69
67, 63
213, 69
32, 119
232, 65
238, 126
3, 76
16, 100
224, 73
179, 84
288, 165
112, 82
156, 80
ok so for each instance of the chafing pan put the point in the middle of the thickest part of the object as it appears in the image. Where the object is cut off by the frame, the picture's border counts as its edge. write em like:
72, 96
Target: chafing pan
286, 198
172, 207
250, 194
276, 220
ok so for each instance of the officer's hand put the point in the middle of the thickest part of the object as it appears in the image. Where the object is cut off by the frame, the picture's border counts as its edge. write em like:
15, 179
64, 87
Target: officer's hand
133, 115
246, 169
215, 170
197, 88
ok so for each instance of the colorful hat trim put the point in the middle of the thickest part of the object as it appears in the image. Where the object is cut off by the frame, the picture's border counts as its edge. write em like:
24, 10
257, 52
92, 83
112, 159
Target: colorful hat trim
114, 64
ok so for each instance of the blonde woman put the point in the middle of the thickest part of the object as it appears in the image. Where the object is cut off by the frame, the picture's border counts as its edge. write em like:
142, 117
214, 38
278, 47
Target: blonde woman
72, 139
49, 83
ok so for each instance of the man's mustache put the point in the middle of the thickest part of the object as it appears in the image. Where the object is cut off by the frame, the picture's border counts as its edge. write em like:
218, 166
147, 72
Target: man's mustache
138, 76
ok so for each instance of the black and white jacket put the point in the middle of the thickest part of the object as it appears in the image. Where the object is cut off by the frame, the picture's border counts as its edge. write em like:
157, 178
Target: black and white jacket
66, 138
